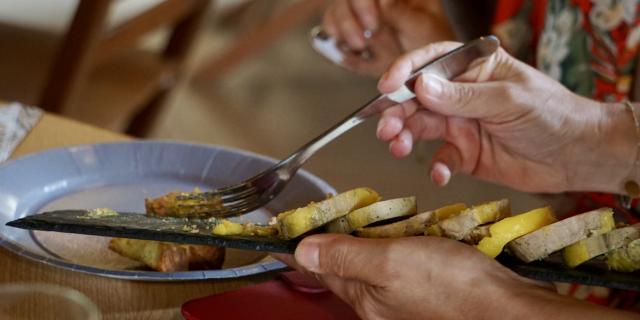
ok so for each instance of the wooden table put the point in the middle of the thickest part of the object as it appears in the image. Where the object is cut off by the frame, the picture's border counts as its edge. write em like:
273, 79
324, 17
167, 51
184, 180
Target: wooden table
117, 299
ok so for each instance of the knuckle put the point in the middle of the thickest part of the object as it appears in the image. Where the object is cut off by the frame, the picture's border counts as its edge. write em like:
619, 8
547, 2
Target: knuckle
460, 93
337, 258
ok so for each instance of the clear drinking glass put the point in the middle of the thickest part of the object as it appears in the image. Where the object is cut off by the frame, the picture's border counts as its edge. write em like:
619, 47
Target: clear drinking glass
27, 301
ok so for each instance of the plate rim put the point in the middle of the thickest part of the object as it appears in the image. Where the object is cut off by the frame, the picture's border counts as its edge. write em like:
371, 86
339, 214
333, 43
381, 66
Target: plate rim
264, 265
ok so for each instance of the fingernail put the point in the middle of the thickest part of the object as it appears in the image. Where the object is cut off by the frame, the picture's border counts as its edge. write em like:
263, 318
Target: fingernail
381, 124
308, 255
368, 34
432, 84
440, 174
383, 79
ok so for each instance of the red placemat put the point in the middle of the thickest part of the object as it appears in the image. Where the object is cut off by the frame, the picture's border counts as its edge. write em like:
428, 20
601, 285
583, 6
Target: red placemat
293, 296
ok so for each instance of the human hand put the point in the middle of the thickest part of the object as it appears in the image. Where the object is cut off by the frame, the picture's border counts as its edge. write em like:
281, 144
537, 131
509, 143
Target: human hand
385, 28
506, 122
428, 278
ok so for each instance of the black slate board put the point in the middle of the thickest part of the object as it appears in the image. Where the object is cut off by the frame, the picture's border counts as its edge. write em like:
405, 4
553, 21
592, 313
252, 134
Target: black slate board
139, 226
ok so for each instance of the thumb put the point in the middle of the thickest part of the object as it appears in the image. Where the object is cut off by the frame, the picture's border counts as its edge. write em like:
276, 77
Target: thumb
461, 99
343, 256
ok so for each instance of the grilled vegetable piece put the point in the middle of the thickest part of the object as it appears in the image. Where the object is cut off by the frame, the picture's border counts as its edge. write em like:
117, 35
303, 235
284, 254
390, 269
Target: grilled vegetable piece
477, 234
587, 249
406, 228
169, 257
549, 239
378, 211
340, 225
225, 227
508, 229
296, 222
459, 226
443, 213
412, 226
625, 259
184, 205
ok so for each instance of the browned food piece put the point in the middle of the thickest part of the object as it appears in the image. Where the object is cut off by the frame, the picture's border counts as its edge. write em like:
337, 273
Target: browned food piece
378, 211
169, 257
625, 259
409, 227
203, 257
589, 248
477, 234
184, 205
226, 227
294, 223
551, 238
458, 227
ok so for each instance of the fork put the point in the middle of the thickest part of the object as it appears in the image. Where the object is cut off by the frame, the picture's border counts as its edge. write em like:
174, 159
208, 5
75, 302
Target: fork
257, 191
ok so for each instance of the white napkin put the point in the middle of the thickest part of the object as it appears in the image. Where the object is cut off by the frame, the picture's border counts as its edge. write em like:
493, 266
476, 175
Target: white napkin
16, 121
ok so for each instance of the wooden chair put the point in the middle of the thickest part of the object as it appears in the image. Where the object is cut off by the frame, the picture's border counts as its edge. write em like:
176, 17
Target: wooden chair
98, 73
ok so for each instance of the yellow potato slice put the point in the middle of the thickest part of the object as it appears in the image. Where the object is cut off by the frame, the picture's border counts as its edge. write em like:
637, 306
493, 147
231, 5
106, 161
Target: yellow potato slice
443, 213
225, 227
587, 249
554, 237
458, 227
508, 229
296, 222
379, 211
406, 228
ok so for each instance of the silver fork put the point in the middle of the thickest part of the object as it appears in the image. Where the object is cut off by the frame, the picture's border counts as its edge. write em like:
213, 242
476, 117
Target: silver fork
257, 191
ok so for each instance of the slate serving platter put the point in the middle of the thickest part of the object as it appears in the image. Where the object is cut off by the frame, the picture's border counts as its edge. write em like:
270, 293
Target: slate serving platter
136, 225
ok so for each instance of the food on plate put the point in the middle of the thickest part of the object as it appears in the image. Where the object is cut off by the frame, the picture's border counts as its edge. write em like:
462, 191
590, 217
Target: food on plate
459, 226
296, 222
443, 213
101, 213
196, 204
378, 211
554, 237
587, 249
412, 226
477, 234
490, 227
225, 227
169, 257
508, 229
625, 259
409, 227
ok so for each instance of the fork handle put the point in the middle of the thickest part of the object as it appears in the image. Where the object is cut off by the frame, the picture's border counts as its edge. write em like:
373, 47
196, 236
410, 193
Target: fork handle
447, 66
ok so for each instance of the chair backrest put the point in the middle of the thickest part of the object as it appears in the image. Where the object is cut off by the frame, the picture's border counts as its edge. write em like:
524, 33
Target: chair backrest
89, 42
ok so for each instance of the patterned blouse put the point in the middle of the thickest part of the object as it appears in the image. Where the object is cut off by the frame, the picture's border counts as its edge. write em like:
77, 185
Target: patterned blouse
591, 47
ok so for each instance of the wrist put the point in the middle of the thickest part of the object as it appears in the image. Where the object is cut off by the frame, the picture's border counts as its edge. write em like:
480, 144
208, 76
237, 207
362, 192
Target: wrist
535, 302
604, 157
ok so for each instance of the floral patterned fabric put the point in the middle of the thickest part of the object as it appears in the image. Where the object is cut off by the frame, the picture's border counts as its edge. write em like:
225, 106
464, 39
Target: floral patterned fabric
591, 47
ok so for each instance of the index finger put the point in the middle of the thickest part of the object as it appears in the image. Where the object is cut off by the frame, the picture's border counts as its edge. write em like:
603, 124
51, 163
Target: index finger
400, 71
